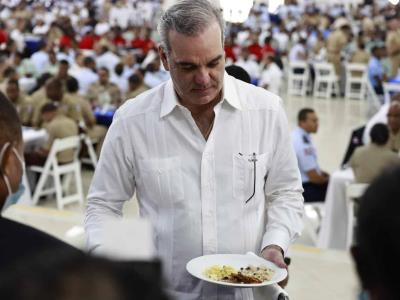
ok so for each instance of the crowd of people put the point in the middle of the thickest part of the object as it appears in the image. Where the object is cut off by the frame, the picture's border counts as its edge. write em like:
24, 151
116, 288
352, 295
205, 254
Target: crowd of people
110, 49
63, 62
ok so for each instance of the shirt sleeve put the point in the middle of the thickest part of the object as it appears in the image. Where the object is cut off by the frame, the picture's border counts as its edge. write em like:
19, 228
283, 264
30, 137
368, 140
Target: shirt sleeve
283, 190
113, 183
306, 157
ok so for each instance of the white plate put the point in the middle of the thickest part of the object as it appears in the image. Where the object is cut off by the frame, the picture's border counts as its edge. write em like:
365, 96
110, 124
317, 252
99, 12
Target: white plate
198, 265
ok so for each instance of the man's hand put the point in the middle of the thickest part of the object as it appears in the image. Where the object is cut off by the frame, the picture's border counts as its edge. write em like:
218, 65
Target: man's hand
274, 254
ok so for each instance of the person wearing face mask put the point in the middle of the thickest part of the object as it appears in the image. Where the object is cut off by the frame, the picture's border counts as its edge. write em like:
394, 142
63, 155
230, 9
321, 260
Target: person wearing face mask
16, 240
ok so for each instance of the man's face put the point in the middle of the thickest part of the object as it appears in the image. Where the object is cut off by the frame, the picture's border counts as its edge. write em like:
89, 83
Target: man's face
63, 70
394, 118
12, 92
311, 123
103, 77
196, 65
54, 93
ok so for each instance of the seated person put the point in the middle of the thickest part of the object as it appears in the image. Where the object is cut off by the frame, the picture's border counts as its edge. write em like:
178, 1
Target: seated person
57, 126
136, 86
271, 76
21, 102
376, 74
16, 240
104, 92
315, 181
84, 115
377, 237
393, 117
53, 92
368, 161
379, 117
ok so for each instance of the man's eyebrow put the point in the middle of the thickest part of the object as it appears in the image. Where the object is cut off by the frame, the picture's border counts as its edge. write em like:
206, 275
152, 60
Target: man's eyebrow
215, 59
188, 63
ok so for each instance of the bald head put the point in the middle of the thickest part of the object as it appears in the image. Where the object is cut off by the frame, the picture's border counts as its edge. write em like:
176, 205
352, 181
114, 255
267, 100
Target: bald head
54, 89
394, 117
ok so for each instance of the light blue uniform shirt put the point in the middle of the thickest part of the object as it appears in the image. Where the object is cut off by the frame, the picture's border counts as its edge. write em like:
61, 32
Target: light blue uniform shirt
305, 152
375, 68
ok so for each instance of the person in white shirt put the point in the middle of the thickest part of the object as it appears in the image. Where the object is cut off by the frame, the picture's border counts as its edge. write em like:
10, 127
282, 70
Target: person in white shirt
209, 157
86, 76
40, 59
107, 59
298, 51
247, 63
271, 77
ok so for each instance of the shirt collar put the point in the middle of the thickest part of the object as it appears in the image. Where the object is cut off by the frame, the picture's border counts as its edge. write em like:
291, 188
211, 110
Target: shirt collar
170, 99
303, 131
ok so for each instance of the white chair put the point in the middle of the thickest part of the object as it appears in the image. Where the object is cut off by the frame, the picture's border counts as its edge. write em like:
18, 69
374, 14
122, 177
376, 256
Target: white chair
355, 85
297, 83
326, 82
374, 103
389, 88
353, 191
92, 156
53, 170
313, 214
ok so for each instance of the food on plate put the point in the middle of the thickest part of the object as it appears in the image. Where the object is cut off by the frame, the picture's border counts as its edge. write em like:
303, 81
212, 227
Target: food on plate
249, 274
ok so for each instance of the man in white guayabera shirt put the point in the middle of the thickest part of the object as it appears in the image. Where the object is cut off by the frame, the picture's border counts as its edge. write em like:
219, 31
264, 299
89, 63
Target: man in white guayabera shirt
210, 159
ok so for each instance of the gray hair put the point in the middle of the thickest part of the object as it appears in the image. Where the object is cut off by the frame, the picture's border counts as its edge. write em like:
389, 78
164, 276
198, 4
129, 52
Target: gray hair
189, 17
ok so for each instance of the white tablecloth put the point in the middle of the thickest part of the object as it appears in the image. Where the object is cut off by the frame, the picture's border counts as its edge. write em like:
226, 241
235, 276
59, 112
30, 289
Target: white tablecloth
333, 232
32, 139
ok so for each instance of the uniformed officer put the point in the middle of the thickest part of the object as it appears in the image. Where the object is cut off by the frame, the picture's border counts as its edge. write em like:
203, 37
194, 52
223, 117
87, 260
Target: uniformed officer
136, 86
369, 161
393, 45
336, 42
22, 103
104, 92
315, 181
360, 56
54, 93
83, 114
58, 126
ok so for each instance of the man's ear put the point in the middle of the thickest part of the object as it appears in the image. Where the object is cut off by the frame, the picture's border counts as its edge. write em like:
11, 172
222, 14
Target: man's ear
163, 56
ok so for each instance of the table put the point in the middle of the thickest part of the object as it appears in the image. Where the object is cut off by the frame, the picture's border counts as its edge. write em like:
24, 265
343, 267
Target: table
333, 232
33, 137
104, 117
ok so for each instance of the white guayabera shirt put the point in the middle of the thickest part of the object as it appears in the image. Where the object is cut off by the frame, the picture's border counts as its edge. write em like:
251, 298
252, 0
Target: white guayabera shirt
194, 191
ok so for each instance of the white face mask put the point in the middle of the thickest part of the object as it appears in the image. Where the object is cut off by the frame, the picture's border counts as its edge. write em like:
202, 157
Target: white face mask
5, 178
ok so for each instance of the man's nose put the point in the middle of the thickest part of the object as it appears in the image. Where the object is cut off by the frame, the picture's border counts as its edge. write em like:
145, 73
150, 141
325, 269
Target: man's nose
202, 77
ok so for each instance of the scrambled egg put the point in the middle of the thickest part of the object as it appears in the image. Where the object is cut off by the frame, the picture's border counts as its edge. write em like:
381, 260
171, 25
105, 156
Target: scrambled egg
219, 272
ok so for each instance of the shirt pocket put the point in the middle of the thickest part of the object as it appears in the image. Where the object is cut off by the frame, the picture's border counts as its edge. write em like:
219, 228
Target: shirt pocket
162, 179
244, 184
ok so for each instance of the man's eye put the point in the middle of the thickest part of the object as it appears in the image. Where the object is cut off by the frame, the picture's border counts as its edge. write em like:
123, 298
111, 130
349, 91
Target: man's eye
213, 64
188, 68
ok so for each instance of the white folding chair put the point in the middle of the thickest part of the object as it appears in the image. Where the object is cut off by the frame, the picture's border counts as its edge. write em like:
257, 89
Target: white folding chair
353, 191
389, 88
92, 156
355, 85
298, 82
53, 170
326, 82
374, 103
313, 214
